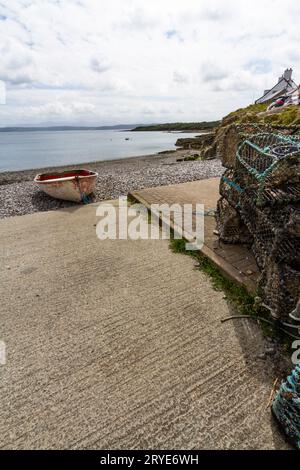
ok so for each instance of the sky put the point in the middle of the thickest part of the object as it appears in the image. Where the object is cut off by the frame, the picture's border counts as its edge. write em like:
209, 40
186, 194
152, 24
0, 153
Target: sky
103, 62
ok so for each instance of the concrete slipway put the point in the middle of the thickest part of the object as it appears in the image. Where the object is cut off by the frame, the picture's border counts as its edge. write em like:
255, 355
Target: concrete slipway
119, 344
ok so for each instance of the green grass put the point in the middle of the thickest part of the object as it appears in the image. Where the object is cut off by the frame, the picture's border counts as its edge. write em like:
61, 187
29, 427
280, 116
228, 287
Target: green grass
286, 117
243, 114
243, 302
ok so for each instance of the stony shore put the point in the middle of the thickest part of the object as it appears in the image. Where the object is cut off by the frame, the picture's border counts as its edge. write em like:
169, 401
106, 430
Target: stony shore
19, 195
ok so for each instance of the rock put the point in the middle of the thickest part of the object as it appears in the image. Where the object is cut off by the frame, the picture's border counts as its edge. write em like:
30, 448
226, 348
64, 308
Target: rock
198, 142
210, 152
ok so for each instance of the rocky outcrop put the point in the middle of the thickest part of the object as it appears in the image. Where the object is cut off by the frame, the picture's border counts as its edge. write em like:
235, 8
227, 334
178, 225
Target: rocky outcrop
203, 142
197, 142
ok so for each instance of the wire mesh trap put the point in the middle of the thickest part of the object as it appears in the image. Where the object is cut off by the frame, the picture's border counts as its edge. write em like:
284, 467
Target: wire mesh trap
260, 156
260, 203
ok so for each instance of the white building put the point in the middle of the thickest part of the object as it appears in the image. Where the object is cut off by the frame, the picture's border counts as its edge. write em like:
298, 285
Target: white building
284, 85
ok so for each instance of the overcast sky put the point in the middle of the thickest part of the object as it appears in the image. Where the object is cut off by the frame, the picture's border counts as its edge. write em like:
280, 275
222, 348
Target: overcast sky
137, 61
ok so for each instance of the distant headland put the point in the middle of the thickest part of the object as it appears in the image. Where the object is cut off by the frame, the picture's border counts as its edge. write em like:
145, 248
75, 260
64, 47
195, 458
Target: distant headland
176, 126
179, 126
68, 128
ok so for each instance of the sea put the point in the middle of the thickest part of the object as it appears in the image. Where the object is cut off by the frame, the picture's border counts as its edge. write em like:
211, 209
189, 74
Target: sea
23, 150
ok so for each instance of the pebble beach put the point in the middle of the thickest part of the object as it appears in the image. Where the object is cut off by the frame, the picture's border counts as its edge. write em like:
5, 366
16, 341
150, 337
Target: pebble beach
19, 195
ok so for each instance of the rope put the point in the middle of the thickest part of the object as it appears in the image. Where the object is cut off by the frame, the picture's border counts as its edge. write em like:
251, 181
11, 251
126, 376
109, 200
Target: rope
233, 184
84, 198
270, 322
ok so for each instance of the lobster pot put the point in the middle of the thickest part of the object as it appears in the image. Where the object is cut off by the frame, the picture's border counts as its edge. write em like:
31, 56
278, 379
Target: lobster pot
260, 204
272, 230
282, 195
230, 225
230, 137
286, 407
284, 250
259, 254
279, 286
228, 144
287, 250
260, 225
230, 188
268, 160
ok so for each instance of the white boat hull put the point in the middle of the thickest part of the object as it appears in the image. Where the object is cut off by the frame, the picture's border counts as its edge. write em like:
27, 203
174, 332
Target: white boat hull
72, 186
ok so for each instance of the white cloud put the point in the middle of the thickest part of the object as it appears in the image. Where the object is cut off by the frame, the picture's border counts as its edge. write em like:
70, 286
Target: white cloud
107, 62
180, 77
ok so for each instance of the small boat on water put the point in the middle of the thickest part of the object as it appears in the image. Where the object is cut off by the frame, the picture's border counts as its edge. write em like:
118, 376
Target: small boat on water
74, 185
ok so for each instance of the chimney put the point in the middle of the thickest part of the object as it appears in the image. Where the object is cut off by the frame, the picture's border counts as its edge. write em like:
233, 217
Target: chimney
288, 74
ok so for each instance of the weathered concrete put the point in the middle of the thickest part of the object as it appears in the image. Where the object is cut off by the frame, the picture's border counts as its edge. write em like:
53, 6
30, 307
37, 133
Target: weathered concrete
235, 261
119, 344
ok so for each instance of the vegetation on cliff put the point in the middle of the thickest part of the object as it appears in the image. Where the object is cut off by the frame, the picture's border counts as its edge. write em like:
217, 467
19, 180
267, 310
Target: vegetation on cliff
257, 113
241, 115
288, 116
254, 118
254, 113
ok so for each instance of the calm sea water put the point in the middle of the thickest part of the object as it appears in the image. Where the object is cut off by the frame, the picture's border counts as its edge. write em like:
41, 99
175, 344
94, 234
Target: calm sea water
25, 150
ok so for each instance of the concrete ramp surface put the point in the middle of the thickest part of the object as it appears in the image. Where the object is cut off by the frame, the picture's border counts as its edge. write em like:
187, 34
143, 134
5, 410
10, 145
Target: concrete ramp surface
118, 344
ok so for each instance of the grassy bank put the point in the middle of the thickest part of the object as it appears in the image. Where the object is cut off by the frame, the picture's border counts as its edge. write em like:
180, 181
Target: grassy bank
256, 113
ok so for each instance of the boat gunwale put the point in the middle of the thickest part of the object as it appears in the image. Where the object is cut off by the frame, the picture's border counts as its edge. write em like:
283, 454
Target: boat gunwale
62, 178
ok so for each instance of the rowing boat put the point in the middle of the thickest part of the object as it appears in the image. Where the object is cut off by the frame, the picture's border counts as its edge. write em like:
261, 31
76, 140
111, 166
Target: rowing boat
74, 185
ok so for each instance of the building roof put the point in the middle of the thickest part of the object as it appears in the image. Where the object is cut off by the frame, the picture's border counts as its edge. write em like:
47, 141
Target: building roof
284, 84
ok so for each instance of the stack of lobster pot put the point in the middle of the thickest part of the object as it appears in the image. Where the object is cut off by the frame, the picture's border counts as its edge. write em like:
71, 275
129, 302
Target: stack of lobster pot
260, 206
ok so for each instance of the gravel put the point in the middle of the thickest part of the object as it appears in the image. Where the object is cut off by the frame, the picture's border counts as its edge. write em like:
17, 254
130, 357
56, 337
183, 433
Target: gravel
19, 195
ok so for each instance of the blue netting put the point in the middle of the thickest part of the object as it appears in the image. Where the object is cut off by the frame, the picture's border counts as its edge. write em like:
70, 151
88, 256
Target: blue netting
286, 407
259, 155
